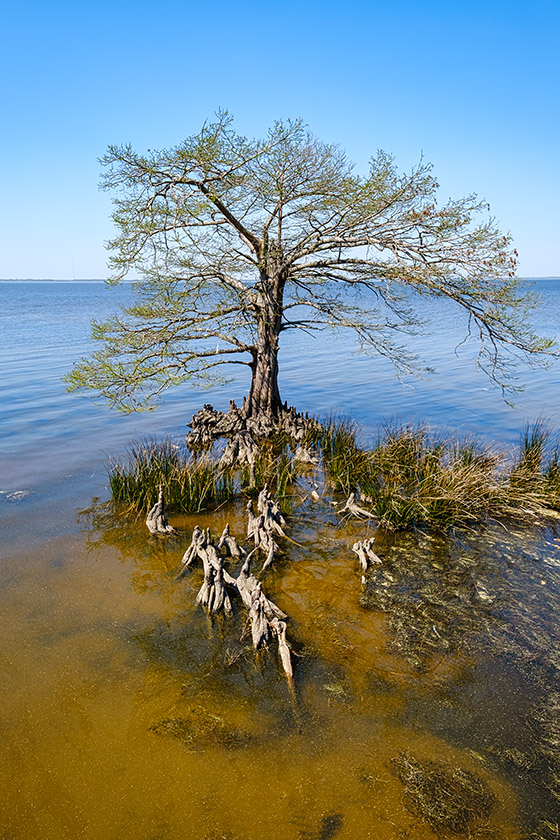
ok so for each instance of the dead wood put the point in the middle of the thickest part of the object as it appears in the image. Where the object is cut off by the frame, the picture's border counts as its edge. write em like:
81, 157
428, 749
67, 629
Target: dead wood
314, 494
241, 450
352, 508
263, 527
366, 554
230, 545
305, 456
267, 620
156, 520
195, 549
243, 433
268, 506
213, 595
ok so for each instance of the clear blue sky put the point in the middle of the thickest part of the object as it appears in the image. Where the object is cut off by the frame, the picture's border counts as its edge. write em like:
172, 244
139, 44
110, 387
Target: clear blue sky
474, 86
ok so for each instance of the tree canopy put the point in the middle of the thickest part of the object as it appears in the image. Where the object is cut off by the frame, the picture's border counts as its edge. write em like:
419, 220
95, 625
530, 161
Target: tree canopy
238, 241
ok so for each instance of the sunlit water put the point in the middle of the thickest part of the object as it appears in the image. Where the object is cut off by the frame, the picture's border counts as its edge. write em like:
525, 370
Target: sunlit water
126, 714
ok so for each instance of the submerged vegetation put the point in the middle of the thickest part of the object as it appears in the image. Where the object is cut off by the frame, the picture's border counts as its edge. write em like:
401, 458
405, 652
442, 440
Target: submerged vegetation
447, 798
410, 477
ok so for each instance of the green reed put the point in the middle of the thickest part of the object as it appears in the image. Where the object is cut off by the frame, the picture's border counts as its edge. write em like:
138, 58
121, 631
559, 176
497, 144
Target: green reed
410, 476
189, 483
414, 476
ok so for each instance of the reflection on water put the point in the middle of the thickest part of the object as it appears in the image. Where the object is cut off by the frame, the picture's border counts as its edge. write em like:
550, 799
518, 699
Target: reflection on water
128, 714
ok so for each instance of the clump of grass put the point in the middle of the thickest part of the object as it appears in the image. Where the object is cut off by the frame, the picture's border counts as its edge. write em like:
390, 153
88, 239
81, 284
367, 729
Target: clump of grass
534, 480
343, 458
189, 483
416, 477
413, 476
278, 472
447, 798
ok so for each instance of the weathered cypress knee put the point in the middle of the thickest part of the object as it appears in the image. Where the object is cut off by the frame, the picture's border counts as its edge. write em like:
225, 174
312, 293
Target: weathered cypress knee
156, 520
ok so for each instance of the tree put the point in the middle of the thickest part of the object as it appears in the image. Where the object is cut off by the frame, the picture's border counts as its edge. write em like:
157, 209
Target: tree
237, 241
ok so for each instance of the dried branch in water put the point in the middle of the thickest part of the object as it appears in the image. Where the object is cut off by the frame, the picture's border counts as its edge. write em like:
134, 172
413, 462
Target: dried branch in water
366, 554
230, 544
267, 523
267, 620
353, 509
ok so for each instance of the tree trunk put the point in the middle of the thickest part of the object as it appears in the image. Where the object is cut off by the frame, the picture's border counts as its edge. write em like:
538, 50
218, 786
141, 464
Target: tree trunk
264, 395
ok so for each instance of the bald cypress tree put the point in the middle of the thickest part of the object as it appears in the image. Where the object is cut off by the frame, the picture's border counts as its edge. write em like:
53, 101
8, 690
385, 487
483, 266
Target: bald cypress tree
238, 241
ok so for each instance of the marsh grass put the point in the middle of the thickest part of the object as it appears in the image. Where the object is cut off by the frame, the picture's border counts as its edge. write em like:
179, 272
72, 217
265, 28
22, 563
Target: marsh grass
345, 462
415, 476
278, 472
274, 466
411, 476
189, 483
534, 479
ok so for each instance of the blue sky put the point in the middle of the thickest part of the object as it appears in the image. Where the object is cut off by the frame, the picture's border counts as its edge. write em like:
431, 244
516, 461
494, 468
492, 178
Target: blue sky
473, 86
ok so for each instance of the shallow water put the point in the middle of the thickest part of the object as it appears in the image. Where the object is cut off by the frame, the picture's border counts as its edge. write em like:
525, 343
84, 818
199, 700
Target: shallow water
126, 714
103, 649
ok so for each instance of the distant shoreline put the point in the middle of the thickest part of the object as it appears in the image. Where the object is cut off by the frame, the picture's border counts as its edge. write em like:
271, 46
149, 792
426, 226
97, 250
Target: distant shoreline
53, 280
47, 280
134, 280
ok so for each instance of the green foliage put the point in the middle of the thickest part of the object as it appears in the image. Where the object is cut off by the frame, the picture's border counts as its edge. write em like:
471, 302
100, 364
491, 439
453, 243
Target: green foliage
277, 471
344, 461
415, 478
412, 476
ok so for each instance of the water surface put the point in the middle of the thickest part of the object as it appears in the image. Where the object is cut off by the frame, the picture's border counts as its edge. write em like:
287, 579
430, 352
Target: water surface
127, 714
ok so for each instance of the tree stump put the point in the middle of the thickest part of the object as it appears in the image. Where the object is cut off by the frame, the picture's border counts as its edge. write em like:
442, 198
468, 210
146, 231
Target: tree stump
156, 520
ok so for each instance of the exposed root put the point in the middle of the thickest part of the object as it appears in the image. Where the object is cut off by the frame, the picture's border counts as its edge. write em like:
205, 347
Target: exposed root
230, 545
366, 554
195, 549
262, 528
242, 432
213, 595
240, 451
156, 520
267, 620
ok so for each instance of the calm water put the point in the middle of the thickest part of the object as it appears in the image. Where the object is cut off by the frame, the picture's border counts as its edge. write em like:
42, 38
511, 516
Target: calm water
101, 648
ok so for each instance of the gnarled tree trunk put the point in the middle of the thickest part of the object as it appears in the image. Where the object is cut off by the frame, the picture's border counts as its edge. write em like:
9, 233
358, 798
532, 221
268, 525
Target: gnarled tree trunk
264, 395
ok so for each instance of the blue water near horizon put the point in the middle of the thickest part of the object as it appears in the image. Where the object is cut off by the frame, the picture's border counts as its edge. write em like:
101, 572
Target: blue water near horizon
49, 437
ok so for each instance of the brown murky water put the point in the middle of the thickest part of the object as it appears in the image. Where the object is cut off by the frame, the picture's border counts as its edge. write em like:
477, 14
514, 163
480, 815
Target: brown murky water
126, 713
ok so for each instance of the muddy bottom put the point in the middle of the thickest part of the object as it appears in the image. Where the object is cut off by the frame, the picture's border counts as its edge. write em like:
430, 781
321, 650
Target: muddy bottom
126, 713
